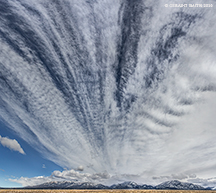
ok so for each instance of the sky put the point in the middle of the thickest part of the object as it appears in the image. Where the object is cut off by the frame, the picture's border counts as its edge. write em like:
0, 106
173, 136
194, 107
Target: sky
15, 164
107, 91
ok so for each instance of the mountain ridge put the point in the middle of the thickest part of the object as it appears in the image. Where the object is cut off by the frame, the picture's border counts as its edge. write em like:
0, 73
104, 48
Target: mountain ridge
169, 185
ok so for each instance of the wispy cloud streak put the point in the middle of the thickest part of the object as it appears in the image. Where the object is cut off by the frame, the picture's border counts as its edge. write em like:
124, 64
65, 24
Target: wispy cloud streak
121, 87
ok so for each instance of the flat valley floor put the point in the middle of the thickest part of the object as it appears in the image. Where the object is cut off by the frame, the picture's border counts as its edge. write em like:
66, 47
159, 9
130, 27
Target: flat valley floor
106, 191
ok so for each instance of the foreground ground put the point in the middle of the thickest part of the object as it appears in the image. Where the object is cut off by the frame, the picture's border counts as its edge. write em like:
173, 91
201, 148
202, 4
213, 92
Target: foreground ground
106, 191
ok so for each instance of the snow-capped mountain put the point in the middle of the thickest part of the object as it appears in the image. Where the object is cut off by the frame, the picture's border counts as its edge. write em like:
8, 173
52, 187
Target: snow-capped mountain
68, 185
130, 185
177, 185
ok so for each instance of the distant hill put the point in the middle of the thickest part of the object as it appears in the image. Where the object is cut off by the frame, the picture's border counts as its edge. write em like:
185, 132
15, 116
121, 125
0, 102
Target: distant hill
169, 185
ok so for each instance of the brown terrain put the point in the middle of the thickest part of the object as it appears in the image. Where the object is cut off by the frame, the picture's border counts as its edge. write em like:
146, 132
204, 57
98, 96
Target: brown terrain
106, 191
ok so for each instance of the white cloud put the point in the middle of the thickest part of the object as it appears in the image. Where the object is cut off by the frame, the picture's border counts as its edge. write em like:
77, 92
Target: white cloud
32, 181
78, 176
206, 182
180, 176
12, 144
66, 175
80, 168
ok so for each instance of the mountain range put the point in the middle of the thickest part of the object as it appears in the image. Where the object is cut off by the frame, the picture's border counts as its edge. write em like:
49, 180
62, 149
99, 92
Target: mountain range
174, 184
